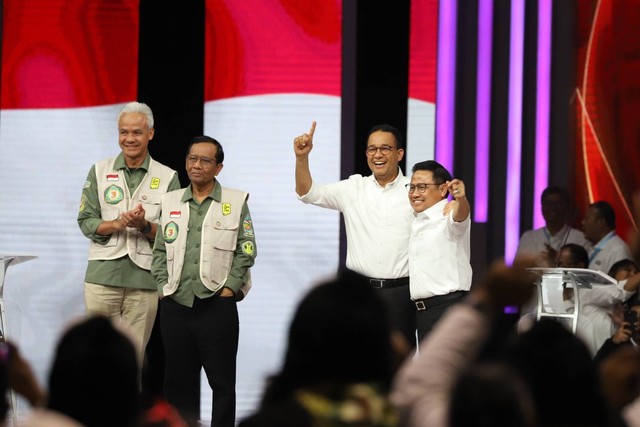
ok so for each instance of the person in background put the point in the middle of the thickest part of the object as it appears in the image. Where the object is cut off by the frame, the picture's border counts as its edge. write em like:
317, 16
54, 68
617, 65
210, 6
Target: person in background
599, 226
545, 242
628, 328
338, 364
469, 338
118, 213
93, 379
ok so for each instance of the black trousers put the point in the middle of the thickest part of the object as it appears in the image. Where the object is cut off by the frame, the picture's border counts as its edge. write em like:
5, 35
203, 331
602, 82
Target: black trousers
203, 336
401, 311
434, 309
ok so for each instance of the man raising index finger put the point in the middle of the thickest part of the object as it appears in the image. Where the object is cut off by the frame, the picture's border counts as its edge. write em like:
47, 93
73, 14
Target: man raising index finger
377, 218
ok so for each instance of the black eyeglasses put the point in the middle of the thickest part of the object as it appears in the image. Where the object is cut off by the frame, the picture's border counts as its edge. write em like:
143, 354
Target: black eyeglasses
385, 149
421, 187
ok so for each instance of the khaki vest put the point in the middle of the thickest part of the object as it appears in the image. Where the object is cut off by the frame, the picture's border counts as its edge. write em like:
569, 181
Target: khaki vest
115, 198
218, 245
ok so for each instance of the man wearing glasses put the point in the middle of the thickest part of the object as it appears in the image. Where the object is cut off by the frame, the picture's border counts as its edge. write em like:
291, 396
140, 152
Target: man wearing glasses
439, 247
119, 209
377, 218
203, 251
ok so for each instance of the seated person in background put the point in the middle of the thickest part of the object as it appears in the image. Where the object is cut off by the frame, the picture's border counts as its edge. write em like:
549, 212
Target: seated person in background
597, 305
94, 378
623, 269
545, 242
619, 376
338, 364
627, 334
599, 226
625, 319
16, 374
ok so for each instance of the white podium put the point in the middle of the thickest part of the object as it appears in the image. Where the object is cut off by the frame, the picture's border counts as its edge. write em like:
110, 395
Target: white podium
552, 285
8, 260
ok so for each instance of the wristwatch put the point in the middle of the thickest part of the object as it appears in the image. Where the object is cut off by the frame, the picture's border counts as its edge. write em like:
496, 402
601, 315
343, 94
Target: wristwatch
146, 229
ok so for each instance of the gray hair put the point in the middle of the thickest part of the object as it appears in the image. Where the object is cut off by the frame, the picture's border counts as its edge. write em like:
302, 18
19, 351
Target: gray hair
138, 107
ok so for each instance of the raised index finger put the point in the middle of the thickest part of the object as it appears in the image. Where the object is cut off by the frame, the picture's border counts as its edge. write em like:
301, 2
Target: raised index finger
313, 129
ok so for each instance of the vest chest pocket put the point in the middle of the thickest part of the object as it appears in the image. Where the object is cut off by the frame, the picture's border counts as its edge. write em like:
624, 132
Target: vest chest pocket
223, 244
152, 204
225, 236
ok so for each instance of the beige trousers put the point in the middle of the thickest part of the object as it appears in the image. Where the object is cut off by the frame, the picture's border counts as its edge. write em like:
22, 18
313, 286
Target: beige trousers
134, 309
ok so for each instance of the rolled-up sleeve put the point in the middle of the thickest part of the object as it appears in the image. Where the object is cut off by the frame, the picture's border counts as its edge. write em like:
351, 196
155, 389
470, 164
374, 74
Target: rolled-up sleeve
89, 213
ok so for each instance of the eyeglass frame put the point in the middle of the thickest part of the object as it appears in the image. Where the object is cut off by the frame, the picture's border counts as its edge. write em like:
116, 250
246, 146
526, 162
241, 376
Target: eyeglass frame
417, 187
385, 149
204, 161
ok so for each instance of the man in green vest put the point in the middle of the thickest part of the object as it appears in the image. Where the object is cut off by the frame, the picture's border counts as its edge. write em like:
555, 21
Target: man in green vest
119, 211
203, 251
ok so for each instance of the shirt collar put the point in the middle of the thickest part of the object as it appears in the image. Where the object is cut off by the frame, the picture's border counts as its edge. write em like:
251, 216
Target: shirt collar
216, 193
606, 238
120, 163
435, 210
397, 181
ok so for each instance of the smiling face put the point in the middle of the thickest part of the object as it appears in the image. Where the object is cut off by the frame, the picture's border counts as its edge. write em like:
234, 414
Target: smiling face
383, 166
134, 137
433, 193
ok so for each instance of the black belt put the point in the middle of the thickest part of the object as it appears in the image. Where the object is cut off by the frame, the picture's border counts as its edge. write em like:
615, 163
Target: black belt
426, 303
389, 283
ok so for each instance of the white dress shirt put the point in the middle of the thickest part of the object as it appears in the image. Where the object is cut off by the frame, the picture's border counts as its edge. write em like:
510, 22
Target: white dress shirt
609, 250
377, 221
439, 253
533, 242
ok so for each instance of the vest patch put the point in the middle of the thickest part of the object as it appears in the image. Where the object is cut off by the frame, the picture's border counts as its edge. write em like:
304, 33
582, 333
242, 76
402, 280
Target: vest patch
247, 227
113, 177
113, 195
226, 209
171, 232
247, 248
175, 214
155, 183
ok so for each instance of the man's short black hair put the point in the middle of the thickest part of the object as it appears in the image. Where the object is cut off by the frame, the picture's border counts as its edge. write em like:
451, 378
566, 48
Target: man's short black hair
556, 190
578, 253
204, 138
621, 265
440, 173
388, 128
606, 212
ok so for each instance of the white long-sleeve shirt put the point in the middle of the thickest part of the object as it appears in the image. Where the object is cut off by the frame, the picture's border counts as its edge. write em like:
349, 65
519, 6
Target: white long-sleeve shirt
377, 221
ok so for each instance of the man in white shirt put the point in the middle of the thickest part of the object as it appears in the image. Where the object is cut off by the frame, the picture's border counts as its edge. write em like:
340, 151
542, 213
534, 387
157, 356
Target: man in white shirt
439, 247
377, 218
599, 226
545, 242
